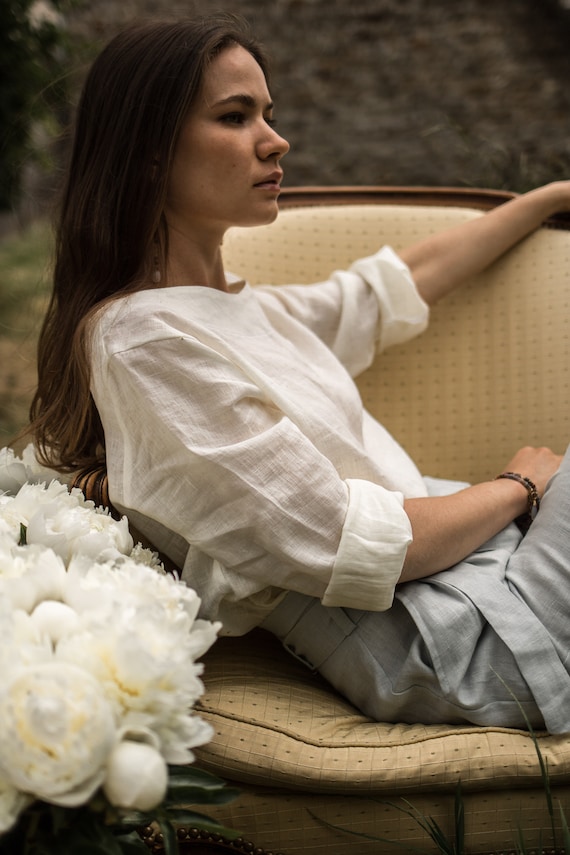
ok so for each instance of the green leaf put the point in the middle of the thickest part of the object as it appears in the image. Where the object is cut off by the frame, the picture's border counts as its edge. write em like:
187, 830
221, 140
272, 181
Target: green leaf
12, 842
430, 826
195, 796
366, 836
23, 535
170, 840
542, 761
131, 820
192, 777
459, 815
188, 785
131, 844
80, 842
565, 831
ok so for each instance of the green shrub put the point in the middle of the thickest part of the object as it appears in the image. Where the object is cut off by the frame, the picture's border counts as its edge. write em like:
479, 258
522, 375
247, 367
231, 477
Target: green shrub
32, 58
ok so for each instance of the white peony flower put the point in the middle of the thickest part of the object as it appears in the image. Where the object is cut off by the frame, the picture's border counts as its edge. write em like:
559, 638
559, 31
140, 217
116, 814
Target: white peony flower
98, 652
65, 522
12, 471
16, 471
22, 644
143, 555
138, 637
6, 531
29, 574
54, 620
37, 472
57, 732
137, 776
91, 585
25, 503
78, 528
12, 803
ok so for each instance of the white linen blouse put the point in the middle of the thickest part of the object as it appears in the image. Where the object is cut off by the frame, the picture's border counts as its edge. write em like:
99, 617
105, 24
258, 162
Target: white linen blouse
237, 441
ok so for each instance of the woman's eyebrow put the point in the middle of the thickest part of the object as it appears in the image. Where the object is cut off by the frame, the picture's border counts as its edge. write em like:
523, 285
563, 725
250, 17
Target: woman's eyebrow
246, 100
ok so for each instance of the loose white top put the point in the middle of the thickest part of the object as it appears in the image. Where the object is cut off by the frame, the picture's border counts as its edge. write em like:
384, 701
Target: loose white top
238, 444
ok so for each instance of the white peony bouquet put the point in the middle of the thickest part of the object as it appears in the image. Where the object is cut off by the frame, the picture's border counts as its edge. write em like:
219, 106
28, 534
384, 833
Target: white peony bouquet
99, 676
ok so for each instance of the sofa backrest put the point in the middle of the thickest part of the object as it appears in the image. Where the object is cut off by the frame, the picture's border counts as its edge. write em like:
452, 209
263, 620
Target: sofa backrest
491, 373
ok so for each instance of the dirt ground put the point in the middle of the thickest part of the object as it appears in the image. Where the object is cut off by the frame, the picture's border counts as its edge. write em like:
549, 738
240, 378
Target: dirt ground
393, 92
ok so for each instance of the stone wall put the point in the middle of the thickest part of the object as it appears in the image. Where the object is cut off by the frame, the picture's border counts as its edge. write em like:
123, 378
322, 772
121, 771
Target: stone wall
433, 92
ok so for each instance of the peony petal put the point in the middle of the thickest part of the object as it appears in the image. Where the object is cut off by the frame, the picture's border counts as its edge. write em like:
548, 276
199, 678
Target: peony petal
57, 732
55, 620
12, 803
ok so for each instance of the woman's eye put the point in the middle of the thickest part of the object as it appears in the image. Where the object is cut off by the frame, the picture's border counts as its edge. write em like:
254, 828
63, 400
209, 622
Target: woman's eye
233, 118
271, 121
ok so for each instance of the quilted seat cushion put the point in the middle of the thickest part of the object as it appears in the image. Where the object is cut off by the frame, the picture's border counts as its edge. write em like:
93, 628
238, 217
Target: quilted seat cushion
279, 725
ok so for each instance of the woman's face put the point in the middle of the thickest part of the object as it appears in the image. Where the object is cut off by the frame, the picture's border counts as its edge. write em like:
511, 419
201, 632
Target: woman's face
225, 170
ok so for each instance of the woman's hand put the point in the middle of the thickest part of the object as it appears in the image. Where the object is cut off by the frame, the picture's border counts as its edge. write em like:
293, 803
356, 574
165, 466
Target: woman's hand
448, 528
538, 464
445, 260
559, 192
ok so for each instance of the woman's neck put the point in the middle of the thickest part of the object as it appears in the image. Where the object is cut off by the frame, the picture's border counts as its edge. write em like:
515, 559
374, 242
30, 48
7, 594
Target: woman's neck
197, 273
191, 262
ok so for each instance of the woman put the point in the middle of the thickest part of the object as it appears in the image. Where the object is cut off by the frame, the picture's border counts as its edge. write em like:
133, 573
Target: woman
232, 432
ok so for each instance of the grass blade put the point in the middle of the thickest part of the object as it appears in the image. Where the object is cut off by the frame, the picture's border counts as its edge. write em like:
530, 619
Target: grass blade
542, 761
459, 816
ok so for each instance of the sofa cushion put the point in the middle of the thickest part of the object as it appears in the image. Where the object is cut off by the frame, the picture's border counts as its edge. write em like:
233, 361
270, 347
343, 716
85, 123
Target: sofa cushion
280, 725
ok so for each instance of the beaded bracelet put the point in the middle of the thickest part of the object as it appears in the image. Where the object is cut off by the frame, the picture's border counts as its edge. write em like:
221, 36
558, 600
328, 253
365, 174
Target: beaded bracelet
526, 519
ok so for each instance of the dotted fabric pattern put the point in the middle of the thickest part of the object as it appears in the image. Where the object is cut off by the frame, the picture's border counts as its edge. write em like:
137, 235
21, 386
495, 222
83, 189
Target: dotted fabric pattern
490, 374
301, 754
284, 724
296, 823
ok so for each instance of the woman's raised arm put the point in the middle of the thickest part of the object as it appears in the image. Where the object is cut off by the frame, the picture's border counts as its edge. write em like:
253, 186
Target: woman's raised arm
445, 260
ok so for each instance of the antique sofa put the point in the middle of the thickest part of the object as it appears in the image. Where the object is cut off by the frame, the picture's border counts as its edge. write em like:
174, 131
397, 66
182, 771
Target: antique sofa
490, 375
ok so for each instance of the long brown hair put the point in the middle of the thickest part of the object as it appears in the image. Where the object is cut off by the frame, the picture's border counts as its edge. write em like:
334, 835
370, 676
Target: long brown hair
134, 101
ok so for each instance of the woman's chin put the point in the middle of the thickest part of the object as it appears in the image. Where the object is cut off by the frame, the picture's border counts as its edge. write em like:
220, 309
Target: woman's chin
260, 215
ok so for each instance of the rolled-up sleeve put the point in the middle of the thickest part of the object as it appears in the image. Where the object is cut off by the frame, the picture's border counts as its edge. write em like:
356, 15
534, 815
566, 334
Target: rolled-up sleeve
376, 300
372, 549
403, 313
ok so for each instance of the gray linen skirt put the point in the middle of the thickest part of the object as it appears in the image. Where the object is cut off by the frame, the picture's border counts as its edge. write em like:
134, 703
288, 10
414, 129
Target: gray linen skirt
486, 642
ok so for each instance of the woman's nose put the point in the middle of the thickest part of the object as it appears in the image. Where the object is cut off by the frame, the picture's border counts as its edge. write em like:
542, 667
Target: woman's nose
274, 145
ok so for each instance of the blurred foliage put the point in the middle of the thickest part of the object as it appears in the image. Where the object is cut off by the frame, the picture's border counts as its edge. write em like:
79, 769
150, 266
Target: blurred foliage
33, 52
25, 285
24, 273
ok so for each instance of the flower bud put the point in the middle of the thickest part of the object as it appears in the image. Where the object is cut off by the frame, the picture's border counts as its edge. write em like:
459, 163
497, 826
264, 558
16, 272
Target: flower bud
54, 619
137, 776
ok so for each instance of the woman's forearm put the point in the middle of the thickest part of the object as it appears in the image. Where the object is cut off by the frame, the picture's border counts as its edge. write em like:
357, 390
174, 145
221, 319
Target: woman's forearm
441, 262
446, 529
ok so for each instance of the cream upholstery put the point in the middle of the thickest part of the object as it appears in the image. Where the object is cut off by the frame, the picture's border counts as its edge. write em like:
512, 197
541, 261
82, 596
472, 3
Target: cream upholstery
488, 376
